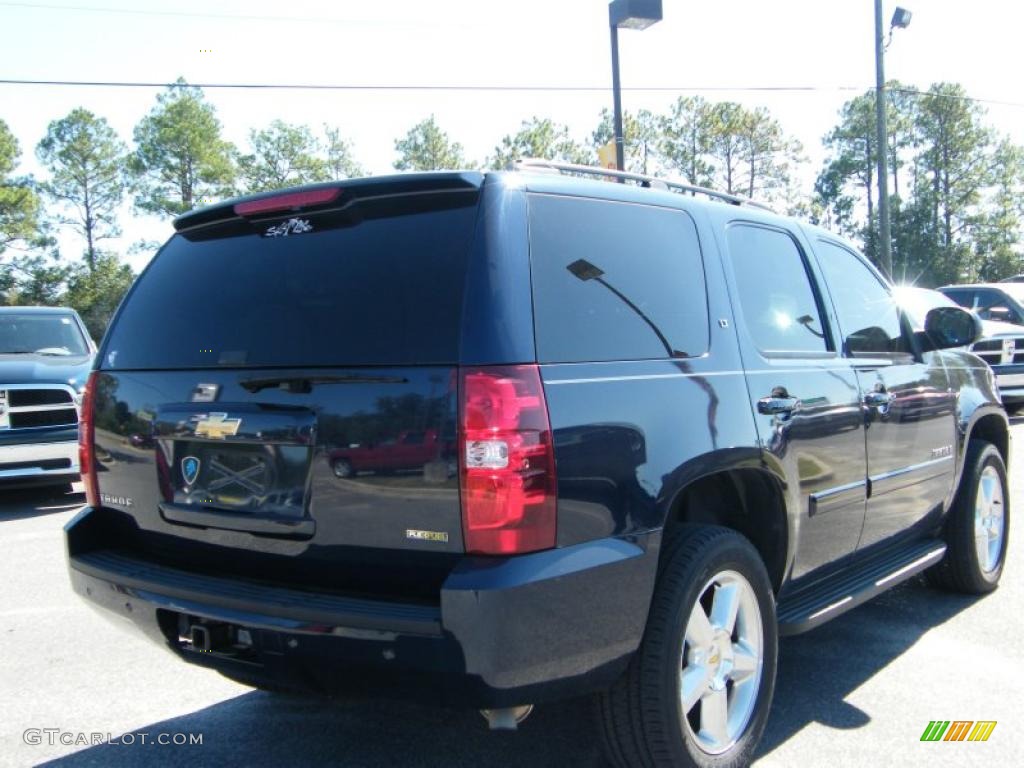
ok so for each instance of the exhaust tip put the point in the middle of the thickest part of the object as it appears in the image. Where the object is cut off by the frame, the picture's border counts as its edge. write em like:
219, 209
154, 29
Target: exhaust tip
508, 718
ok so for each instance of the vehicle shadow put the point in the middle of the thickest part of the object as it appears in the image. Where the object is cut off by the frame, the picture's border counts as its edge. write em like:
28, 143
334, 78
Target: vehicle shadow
817, 671
276, 729
25, 503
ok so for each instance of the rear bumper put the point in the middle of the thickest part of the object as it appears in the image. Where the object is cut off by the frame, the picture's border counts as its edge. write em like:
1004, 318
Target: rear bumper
506, 631
38, 455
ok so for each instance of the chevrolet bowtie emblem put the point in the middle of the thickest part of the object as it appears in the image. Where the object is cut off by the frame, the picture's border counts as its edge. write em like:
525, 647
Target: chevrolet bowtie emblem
217, 426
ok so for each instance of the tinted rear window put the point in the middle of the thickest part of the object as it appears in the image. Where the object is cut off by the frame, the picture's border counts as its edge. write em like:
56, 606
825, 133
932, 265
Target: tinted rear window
615, 281
372, 285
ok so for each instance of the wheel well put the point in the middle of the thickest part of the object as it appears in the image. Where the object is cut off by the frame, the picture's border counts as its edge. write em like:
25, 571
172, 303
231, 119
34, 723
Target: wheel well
750, 502
992, 429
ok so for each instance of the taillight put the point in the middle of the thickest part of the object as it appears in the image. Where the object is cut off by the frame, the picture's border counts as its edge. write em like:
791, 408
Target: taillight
507, 461
86, 445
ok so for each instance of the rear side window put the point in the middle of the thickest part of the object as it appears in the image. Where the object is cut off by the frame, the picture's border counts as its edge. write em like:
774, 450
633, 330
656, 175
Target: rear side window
779, 305
615, 281
380, 284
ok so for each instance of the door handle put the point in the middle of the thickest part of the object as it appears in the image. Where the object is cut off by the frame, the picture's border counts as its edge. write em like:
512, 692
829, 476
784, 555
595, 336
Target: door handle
772, 406
877, 399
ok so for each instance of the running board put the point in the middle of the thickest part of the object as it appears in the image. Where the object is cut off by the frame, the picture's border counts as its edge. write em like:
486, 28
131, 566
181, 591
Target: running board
814, 604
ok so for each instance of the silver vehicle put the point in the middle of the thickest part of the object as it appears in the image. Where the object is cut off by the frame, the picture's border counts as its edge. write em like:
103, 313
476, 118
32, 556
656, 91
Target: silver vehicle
1001, 344
45, 357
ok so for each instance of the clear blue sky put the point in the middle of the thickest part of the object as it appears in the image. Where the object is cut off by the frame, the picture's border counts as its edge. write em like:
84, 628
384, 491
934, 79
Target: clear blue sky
826, 44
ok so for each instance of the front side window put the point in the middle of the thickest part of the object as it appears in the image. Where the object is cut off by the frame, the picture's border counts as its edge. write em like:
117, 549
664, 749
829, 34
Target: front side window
994, 305
778, 303
868, 314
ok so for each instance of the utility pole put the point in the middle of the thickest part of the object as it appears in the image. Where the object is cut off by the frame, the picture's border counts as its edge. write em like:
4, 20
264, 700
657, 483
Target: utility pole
885, 235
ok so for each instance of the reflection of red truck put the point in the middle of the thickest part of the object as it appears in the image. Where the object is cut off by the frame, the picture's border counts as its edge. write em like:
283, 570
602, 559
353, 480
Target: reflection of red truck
412, 449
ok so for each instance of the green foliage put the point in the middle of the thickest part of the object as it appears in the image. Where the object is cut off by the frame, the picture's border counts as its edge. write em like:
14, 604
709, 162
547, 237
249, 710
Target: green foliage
640, 139
538, 138
427, 148
96, 294
86, 161
19, 202
338, 156
685, 139
180, 160
283, 155
33, 279
955, 191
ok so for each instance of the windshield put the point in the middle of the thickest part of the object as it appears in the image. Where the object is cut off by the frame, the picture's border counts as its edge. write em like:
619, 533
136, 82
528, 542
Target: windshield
41, 335
917, 302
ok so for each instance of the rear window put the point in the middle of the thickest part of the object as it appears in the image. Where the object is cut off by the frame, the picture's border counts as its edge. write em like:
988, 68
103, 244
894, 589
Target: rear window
615, 281
376, 284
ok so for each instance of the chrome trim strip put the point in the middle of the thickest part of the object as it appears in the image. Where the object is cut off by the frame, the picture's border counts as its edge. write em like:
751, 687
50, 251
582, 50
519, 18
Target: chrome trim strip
935, 554
908, 469
830, 608
816, 498
70, 405
839, 489
694, 375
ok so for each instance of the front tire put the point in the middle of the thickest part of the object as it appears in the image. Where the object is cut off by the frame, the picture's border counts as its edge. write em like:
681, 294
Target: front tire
978, 527
699, 689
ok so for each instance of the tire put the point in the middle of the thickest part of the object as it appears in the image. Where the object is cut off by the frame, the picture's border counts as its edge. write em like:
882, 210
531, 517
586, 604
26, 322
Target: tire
342, 468
971, 567
640, 716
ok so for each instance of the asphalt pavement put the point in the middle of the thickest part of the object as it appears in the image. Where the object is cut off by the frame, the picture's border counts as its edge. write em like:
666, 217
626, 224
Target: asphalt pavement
79, 690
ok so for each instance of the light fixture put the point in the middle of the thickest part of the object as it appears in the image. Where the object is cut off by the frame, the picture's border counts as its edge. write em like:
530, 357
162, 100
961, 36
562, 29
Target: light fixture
901, 18
634, 14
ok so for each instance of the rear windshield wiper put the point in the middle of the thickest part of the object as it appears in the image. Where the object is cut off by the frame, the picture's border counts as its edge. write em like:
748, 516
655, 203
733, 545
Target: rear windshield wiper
304, 384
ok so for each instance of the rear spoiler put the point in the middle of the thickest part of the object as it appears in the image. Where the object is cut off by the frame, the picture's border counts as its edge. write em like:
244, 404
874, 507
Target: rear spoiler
311, 197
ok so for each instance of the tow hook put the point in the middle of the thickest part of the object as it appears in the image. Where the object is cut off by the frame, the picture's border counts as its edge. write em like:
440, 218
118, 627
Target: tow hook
207, 638
507, 719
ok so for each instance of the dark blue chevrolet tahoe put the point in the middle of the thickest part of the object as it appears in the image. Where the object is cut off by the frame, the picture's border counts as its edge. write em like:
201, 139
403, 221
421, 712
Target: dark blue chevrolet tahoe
662, 431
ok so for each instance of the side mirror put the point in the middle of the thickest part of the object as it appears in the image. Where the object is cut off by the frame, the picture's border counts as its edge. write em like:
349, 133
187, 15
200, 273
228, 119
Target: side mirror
948, 327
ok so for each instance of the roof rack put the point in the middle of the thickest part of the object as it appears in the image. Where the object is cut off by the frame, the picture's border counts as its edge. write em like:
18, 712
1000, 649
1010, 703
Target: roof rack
647, 181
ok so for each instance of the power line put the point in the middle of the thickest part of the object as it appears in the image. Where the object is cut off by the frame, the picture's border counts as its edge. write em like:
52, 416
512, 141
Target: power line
383, 87
498, 88
176, 14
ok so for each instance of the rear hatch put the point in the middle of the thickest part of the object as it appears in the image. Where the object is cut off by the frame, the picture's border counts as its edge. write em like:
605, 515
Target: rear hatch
277, 397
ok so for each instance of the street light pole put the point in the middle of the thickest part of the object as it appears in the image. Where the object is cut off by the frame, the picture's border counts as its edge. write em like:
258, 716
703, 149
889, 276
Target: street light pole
629, 14
900, 18
620, 148
885, 244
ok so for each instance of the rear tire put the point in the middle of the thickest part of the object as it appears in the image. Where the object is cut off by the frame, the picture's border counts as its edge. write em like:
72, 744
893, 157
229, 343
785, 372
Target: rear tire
978, 526
699, 689
342, 468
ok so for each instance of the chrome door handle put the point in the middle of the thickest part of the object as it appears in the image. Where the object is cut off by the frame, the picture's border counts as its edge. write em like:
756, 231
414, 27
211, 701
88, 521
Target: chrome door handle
877, 399
772, 406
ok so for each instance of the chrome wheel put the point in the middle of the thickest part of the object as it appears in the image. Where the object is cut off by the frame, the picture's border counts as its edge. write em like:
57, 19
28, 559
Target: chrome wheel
722, 660
989, 520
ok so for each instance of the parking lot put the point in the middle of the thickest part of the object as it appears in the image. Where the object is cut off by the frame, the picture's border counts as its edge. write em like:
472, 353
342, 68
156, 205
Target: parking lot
859, 691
